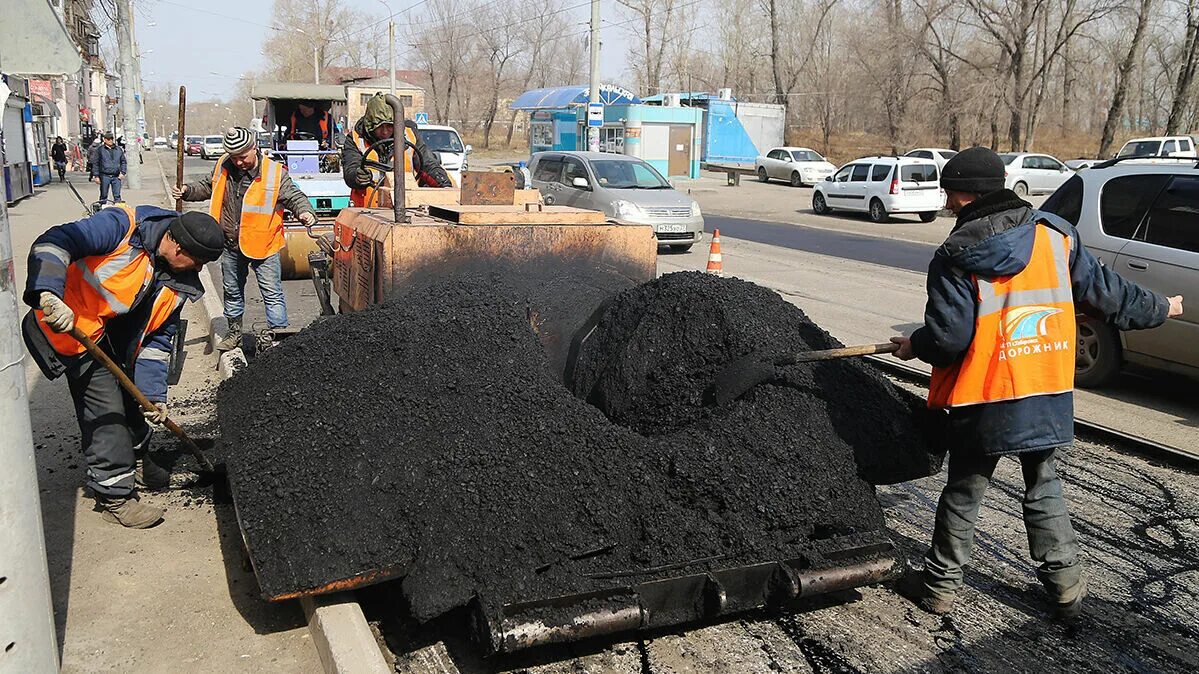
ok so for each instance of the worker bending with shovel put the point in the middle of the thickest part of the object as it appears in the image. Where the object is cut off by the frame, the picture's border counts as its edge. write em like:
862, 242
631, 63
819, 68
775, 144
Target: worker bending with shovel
249, 193
118, 278
999, 331
372, 139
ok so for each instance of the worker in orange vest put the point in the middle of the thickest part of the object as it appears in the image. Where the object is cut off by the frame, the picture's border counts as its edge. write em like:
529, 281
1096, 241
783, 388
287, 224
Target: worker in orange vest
249, 193
307, 120
999, 331
121, 278
366, 142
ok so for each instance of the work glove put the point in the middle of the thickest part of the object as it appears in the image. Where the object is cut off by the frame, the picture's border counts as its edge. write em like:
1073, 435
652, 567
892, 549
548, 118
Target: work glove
307, 219
55, 312
158, 416
178, 192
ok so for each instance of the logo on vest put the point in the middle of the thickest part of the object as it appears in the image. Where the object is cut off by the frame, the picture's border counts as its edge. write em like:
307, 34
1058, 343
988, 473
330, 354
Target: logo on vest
1025, 329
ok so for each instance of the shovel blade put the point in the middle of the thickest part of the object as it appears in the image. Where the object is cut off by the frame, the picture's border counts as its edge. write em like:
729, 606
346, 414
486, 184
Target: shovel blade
738, 378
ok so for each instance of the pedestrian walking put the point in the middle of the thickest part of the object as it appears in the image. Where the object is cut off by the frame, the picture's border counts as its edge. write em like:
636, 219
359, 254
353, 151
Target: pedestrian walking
121, 277
999, 331
58, 153
108, 168
249, 193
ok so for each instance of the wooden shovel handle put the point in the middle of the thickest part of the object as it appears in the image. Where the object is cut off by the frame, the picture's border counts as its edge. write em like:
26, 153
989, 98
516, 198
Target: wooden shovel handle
843, 352
127, 384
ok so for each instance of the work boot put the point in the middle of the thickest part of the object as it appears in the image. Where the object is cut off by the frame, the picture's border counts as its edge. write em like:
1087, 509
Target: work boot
232, 338
127, 511
1068, 605
264, 340
914, 588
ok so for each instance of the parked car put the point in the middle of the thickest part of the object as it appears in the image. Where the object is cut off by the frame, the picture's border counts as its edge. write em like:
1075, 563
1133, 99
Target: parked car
882, 186
1080, 164
445, 141
1139, 220
626, 189
212, 147
1160, 146
195, 144
938, 155
1028, 173
173, 139
797, 165
160, 142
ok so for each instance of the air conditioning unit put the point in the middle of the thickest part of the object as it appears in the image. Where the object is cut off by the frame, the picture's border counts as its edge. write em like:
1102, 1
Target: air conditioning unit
671, 101
725, 94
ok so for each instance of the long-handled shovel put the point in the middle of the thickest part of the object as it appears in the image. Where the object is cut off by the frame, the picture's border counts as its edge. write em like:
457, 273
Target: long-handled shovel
181, 145
741, 375
96, 352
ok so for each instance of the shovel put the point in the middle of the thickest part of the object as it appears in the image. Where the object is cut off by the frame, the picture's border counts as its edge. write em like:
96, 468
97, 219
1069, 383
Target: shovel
741, 375
96, 352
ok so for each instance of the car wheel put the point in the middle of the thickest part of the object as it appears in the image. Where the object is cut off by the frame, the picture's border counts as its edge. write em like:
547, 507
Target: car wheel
1020, 189
878, 212
762, 177
819, 205
928, 216
1098, 359
796, 181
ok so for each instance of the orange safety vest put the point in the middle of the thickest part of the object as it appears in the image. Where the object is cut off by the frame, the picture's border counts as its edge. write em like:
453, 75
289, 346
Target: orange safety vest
1023, 335
324, 126
368, 197
101, 287
261, 230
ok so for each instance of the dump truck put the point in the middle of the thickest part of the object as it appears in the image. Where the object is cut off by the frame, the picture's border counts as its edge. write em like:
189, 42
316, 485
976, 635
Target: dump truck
370, 256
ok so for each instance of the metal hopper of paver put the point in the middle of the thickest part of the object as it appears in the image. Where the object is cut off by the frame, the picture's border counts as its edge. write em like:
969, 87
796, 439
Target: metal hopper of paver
575, 587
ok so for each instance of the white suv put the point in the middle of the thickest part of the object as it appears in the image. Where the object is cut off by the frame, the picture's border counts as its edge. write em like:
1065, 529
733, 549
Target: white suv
1139, 220
1159, 146
882, 186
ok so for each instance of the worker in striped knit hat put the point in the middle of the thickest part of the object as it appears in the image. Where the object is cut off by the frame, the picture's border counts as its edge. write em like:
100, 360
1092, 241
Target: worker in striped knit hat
249, 192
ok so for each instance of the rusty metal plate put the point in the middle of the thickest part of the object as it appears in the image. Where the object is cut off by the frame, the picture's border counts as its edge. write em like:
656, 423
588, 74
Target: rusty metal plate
487, 188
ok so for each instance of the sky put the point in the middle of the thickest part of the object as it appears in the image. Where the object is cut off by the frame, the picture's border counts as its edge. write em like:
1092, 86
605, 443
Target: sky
206, 46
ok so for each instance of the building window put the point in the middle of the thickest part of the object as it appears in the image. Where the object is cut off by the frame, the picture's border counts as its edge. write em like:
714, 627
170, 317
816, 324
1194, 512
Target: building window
541, 135
406, 100
612, 139
366, 98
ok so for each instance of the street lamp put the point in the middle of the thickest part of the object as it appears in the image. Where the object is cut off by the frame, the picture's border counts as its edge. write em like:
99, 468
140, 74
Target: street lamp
316, 67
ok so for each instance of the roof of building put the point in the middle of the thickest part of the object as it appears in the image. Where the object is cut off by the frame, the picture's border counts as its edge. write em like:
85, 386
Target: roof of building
298, 91
683, 95
384, 81
348, 75
564, 97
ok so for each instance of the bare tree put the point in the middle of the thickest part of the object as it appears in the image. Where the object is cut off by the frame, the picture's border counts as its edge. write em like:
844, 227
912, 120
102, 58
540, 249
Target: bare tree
654, 21
1123, 73
1189, 57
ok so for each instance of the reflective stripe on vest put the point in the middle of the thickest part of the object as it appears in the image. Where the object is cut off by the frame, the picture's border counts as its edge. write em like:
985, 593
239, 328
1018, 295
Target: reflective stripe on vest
1024, 333
101, 287
368, 197
260, 230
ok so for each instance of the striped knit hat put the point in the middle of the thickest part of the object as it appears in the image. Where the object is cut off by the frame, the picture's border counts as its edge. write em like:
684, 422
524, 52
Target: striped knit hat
238, 139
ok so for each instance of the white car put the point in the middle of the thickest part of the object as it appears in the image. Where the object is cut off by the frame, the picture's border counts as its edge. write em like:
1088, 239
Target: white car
1080, 164
160, 141
447, 143
212, 147
1026, 173
883, 186
938, 155
797, 165
1159, 146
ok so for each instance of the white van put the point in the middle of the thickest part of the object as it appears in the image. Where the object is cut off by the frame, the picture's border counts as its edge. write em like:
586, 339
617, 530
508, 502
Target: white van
445, 141
882, 186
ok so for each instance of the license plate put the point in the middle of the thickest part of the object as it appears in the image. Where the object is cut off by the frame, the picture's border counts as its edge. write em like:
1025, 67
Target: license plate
672, 229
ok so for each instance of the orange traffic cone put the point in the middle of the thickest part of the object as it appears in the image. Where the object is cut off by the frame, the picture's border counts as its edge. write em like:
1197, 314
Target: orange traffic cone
715, 264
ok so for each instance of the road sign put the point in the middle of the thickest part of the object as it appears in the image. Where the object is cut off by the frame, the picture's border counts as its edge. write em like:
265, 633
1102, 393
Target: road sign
422, 118
595, 114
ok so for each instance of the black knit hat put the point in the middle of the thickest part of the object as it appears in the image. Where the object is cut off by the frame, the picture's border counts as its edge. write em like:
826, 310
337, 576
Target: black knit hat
977, 170
199, 235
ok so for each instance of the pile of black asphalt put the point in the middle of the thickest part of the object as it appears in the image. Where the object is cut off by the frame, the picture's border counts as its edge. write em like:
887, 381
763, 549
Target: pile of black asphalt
431, 440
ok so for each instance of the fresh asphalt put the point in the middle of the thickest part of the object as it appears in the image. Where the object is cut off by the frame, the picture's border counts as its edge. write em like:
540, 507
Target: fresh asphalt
886, 252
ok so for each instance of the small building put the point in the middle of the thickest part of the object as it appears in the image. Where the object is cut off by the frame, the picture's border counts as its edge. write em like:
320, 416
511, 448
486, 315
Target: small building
359, 92
734, 132
20, 152
666, 138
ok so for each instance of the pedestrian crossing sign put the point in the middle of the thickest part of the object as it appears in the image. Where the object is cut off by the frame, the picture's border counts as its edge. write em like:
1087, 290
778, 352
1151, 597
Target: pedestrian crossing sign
422, 118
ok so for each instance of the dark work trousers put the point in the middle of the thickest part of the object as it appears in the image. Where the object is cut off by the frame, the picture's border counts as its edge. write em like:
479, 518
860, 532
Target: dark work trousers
107, 182
1051, 540
110, 424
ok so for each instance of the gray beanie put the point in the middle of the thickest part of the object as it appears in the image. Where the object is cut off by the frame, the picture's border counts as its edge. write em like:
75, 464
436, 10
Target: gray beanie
238, 139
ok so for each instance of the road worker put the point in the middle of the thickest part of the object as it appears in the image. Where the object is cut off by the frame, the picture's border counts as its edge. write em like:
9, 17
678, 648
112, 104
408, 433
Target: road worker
308, 120
120, 277
365, 143
249, 192
999, 331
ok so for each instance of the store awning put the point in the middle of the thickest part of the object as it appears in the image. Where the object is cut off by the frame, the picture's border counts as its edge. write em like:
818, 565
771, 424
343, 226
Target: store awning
38, 43
551, 98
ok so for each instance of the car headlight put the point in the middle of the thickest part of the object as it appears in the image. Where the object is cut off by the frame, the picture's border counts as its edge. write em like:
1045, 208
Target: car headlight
625, 209
695, 212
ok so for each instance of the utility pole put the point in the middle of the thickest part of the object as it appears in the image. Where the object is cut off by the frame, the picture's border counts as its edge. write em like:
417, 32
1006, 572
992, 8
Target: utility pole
391, 50
593, 132
124, 26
